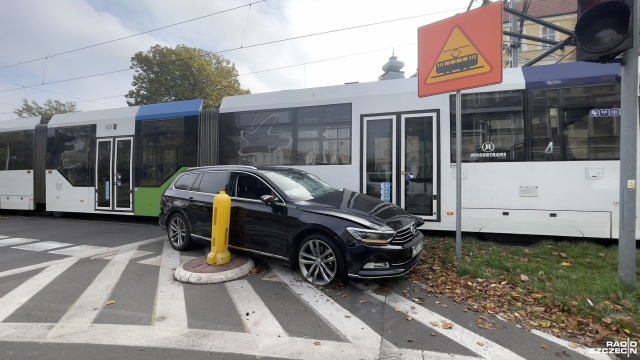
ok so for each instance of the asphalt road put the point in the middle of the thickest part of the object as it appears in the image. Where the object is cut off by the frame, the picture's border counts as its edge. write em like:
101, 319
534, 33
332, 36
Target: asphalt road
92, 287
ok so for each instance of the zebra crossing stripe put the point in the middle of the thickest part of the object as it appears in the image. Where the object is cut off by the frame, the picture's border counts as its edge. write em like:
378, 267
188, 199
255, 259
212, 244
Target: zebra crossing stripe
82, 313
351, 327
18, 296
254, 313
170, 308
97, 253
14, 241
459, 334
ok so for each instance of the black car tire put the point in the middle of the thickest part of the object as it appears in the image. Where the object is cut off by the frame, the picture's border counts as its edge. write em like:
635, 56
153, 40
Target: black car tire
179, 233
320, 261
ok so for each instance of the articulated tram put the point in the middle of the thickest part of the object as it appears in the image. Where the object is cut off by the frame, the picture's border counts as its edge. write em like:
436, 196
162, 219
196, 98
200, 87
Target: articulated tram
106, 161
540, 150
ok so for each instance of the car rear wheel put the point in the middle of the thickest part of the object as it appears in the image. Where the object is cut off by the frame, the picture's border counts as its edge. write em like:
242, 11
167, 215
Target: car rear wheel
178, 232
319, 260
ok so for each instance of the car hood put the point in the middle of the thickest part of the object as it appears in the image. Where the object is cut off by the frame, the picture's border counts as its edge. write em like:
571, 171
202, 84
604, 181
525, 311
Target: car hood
359, 208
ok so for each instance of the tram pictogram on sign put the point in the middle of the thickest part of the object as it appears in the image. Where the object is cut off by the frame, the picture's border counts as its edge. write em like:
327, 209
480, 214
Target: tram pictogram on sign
459, 58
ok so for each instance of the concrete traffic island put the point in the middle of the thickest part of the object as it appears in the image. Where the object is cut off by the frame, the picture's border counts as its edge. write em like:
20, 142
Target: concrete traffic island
197, 271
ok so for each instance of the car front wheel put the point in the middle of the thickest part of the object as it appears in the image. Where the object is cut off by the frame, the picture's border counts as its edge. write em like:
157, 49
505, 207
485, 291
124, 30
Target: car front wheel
319, 260
178, 232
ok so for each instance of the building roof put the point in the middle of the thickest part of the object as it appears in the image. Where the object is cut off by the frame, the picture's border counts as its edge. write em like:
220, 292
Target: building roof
544, 8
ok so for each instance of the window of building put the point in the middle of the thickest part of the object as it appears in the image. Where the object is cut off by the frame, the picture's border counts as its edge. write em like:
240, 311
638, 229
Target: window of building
492, 127
162, 144
317, 135
16, 150
73, 154
579, 123
548, 34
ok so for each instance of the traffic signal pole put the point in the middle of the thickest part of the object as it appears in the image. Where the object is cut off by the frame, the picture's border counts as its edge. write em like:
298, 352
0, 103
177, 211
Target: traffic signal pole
628, 161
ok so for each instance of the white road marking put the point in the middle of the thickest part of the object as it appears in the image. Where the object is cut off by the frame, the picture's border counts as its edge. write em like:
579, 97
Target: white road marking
565, 343
42, 246
351, 327
98, 252
199, 340
170, 309
25, 291
78, 250
256, 317
155, 261
459, 334
138, 254
3, 236
85, 309
14, 241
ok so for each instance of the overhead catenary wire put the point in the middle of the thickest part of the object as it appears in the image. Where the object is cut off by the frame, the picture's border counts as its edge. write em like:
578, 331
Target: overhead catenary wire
242, 48
130, 36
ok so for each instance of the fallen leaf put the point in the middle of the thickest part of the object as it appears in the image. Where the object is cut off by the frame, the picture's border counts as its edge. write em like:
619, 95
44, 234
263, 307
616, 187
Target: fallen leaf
347, 316
409, 318
544, 347
447, 325
362, 301
111, 302
480, 343
435, 323
524, 278
398, 309
573, 345
317, 343
564, 263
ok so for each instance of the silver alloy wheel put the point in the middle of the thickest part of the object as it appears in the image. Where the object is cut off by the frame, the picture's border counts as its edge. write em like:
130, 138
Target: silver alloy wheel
177, 231
318, 262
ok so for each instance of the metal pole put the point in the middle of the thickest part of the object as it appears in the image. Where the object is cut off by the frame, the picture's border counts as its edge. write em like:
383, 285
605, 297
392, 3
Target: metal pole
628, 161
458, 176
513, 45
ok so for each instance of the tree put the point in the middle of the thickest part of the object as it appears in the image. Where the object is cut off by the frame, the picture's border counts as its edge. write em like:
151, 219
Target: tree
166, 74
50, 108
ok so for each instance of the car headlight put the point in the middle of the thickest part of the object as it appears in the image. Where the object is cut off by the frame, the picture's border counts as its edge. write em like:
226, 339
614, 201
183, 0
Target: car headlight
372, 237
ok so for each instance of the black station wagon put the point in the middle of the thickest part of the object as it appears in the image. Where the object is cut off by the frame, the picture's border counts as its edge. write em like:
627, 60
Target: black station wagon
291, 216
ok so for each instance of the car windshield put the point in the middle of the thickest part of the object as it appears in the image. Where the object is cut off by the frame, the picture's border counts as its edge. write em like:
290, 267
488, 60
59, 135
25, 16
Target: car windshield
299, 185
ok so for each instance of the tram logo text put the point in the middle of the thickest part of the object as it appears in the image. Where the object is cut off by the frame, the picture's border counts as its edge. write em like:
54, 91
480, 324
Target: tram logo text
489, 151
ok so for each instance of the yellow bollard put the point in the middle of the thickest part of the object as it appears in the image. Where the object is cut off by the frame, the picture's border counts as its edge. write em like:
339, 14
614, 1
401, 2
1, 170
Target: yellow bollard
219, 254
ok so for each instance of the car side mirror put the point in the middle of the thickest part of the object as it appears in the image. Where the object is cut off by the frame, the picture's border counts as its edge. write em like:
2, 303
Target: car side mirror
268, 200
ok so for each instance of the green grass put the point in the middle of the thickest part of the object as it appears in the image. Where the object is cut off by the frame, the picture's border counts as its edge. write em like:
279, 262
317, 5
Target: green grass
588, 289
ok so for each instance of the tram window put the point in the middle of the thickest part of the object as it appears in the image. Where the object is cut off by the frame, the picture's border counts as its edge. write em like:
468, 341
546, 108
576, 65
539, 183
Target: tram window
213, 182
315, 135
73, 154
16, 150
324, 135
162, 145
492, 127
577, 121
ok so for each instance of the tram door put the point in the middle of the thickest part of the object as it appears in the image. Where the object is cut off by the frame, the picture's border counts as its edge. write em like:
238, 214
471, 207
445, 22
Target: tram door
114, 190
400, 164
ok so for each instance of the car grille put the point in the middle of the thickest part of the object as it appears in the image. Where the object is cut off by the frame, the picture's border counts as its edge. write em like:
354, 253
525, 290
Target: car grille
404, 235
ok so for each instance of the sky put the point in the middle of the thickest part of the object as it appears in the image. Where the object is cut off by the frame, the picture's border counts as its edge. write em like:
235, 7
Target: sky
80, 50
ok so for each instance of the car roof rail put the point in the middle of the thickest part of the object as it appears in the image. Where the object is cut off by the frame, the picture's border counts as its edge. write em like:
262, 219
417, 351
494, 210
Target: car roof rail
214, 167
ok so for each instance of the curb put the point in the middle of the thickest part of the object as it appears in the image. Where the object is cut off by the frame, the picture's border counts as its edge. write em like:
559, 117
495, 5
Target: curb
197, 271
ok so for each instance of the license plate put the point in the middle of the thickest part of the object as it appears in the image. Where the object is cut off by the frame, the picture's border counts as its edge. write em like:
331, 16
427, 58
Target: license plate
415, 250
